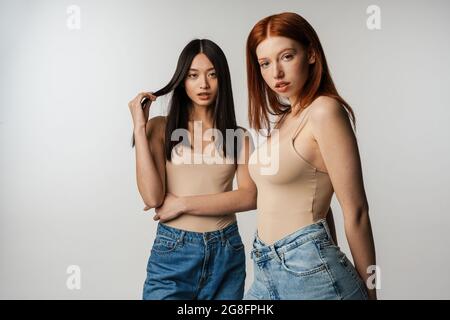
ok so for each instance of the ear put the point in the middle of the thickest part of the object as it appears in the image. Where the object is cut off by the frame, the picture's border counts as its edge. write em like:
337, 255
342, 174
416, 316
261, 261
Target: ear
311, 56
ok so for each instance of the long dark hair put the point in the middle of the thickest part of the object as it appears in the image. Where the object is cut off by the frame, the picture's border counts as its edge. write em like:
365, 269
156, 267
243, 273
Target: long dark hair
179, 106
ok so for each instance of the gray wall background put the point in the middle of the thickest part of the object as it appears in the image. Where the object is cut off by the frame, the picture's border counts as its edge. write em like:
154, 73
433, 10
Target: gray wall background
68, 193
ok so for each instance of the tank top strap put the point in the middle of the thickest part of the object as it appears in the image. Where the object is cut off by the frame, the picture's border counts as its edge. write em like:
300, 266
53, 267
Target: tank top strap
302, 123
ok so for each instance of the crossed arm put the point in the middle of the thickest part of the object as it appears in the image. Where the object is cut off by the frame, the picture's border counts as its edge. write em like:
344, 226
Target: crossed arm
241, 199
150, 171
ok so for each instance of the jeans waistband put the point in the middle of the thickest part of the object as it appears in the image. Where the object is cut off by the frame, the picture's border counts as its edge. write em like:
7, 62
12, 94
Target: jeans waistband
192, 236
262, 251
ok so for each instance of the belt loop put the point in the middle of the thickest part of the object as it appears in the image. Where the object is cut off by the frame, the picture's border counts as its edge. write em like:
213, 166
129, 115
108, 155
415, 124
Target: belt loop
222, 237
206, 238
181, 238
272, 248
327, 229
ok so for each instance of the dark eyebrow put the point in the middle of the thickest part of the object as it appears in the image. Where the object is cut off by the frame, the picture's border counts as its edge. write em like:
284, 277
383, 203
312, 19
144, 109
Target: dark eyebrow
281, 51
192, 69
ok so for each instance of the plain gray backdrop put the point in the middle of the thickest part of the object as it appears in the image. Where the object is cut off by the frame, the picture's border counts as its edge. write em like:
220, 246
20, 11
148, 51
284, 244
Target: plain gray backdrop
68, 192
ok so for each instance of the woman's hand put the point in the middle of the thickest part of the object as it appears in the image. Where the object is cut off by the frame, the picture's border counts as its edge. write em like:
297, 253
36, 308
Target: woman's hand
139, 111
171, 208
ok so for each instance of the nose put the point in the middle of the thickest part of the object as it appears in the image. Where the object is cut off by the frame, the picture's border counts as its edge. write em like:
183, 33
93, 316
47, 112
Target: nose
278, 71
204, 82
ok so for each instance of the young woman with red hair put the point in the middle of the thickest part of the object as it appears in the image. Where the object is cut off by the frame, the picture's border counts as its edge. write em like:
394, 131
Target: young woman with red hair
295, 256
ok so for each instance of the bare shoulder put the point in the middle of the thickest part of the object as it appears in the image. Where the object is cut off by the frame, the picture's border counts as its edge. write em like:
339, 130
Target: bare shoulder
157, 122
156, 125
325, 109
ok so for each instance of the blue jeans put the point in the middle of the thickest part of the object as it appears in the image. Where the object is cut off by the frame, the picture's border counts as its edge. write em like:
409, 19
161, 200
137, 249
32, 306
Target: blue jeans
304, 265
185, 265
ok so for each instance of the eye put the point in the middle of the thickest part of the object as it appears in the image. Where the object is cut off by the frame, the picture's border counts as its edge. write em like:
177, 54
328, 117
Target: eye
264, 65
192, 75
288, 57
212, 75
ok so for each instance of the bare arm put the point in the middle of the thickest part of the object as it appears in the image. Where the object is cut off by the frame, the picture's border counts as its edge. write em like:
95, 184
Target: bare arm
338, 146
150, 162
242, 199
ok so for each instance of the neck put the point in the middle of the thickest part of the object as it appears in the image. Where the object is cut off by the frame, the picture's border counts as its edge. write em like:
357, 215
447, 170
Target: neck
294, 108
201, 113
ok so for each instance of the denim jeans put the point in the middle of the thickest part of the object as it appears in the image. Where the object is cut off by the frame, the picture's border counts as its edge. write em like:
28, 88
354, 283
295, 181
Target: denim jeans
185, 265
304, 265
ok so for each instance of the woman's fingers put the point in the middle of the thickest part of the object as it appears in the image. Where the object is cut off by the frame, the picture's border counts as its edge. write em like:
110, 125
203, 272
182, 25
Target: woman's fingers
144, 101
146, 98
141, 96
149, 95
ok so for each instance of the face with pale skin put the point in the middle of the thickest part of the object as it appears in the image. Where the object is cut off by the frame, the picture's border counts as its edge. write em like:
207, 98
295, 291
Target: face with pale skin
201, 81
284, 65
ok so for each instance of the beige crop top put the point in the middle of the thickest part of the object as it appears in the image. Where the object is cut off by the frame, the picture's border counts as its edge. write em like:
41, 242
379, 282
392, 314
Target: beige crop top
191, 178
295, 195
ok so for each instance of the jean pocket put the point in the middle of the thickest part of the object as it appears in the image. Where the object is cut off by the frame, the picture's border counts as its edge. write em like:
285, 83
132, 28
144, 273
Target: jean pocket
235, 242
303, 260
163, 244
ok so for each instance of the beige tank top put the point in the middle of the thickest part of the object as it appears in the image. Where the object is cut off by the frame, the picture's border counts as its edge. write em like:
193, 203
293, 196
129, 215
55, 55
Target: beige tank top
192, 178
295, 195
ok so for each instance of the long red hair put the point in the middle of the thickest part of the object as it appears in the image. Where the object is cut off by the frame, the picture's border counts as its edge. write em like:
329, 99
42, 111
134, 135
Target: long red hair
262, 100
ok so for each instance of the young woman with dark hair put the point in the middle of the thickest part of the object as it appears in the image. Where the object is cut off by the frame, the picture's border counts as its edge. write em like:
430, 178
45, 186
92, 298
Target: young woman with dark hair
197, 252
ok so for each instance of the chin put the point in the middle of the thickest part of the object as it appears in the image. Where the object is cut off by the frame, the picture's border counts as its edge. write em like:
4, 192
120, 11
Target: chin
203, 103
285, 95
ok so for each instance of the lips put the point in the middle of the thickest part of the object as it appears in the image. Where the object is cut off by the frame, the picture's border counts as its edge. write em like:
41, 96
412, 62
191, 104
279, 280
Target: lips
282, 86
204, 95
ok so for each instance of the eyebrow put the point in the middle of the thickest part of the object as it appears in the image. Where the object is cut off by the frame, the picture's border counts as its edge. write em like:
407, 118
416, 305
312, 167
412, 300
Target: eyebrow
192, 69
281, 51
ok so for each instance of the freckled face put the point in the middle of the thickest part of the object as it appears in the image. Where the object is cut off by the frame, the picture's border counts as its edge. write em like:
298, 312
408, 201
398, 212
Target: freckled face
284, 65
